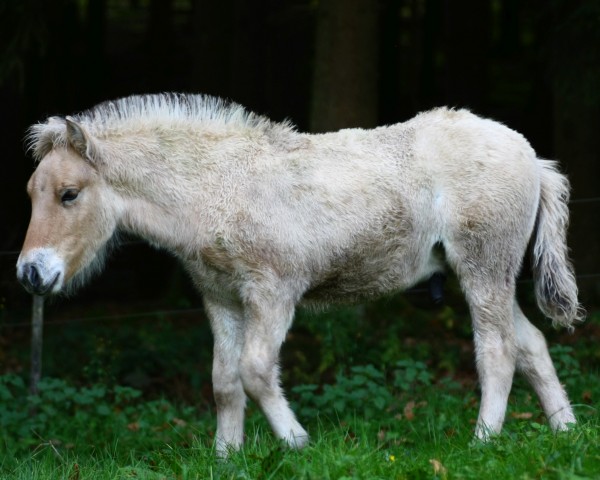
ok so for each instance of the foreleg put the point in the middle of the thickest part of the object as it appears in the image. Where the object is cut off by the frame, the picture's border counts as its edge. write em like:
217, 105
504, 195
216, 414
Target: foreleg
227, 326
266, 326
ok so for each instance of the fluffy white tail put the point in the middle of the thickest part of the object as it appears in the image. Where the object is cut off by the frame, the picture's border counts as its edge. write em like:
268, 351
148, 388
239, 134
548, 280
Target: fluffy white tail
555, 287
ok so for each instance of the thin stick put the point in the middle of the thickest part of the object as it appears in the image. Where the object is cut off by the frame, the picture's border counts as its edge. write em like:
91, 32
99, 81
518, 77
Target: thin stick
37, 324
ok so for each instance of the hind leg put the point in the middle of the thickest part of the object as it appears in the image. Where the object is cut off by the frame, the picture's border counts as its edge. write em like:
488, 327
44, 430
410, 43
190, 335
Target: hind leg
533, 361
486, 269
496, 352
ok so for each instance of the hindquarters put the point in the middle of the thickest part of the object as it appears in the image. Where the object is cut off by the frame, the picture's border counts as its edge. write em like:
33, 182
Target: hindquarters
488, 197
485, 244
486, 253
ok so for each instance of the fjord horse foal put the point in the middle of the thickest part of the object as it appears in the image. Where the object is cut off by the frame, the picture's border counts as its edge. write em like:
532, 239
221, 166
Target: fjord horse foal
265, 218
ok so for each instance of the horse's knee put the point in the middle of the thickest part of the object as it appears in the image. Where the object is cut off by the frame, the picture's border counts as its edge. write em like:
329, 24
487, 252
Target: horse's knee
227, 387
259, 376
228, 394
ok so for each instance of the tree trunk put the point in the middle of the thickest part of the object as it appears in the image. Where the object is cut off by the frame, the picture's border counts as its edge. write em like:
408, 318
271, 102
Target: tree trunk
345, 92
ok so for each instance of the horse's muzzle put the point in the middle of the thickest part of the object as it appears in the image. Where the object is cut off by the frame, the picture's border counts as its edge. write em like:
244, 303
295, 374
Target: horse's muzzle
40, 272
33, 282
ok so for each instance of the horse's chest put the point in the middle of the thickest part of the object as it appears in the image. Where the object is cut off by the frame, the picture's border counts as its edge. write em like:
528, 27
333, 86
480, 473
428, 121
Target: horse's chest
214, 273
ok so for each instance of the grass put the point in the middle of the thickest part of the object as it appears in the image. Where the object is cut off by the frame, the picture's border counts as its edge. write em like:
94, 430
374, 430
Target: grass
423, 431
376, 402
351, 451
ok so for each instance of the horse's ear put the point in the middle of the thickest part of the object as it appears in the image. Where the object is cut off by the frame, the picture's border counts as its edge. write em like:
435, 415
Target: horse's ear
80, 140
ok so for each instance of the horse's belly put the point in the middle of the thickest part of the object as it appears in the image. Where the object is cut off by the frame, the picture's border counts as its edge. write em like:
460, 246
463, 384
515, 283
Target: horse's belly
367, 276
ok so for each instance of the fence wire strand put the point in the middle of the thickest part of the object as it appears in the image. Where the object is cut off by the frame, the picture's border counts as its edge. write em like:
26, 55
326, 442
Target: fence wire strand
102, 318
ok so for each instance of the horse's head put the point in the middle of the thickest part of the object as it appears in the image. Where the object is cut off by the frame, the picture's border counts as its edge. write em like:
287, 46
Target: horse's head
73, 215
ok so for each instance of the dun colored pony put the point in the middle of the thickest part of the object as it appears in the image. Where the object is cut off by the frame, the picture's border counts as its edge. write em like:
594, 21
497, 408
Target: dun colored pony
265, 218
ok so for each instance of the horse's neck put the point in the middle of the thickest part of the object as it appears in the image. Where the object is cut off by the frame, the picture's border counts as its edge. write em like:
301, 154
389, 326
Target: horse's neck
146, 220
170, 200
163, 203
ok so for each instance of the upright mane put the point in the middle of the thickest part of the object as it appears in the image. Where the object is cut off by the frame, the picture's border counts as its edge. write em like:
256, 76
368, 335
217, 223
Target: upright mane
146, 112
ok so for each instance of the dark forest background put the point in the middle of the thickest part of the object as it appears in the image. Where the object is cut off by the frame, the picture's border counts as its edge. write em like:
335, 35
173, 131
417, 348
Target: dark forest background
323, 64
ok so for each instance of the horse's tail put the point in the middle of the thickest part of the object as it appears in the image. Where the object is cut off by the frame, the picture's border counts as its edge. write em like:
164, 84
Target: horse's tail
555, 287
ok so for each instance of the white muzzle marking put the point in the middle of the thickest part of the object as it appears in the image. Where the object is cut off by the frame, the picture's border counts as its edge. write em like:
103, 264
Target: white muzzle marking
41, 271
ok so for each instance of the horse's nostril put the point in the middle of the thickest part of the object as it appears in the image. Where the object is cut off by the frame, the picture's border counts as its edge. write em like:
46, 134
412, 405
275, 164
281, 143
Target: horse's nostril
30, 276
33, 276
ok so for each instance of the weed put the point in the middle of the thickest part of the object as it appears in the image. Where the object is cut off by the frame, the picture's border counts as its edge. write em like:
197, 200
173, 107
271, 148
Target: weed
410, 373
567, 366
364, 389
64, 416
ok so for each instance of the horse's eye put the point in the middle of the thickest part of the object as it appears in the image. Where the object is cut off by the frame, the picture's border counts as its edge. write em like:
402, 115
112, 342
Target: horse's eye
69, 196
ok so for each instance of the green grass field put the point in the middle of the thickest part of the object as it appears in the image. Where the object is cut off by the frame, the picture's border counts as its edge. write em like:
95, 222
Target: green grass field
381, 396
402, 423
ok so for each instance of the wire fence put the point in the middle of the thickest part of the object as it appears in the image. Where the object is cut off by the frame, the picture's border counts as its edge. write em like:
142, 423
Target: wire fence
119, 316
37, 315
